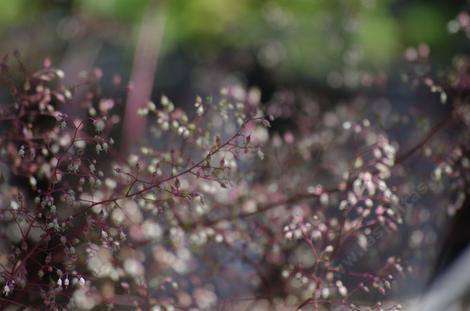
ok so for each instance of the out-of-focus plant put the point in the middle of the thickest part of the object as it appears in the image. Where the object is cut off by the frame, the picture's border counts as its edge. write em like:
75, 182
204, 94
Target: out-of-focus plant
75, 210
213, 207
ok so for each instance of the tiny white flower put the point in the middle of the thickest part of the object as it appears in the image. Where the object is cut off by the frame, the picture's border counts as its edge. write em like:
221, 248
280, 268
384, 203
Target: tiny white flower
6, 290
343, 291
99, 125
324, 198
60, 73
21, 152
200, 111
329, 249
104, 234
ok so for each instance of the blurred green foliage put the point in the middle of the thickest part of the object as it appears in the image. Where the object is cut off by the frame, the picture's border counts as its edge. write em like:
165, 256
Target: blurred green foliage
301, 37
12, 12
127, 11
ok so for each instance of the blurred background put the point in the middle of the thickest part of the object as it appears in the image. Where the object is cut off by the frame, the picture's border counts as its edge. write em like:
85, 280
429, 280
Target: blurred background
323, 44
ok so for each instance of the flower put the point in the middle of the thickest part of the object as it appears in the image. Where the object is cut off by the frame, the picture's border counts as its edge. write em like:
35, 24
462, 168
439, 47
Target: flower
6, 290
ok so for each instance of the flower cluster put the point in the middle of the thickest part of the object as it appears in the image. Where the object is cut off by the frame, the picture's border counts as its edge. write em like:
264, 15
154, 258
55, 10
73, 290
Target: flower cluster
211, 205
